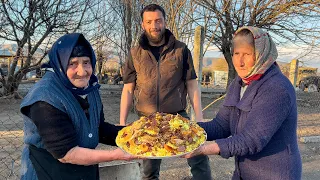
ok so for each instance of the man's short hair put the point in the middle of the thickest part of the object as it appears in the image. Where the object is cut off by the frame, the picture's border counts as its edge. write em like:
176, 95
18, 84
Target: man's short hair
152, 8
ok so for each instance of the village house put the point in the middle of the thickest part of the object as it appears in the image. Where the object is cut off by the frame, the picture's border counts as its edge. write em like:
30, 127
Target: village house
215, 71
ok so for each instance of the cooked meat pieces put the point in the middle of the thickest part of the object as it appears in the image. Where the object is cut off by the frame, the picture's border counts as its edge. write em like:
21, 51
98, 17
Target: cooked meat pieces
161, 135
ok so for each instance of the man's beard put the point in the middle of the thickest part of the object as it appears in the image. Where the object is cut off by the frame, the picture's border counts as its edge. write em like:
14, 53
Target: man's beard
155, 39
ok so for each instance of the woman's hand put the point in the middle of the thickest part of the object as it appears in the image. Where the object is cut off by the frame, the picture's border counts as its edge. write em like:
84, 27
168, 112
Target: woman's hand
208, 148
119, 154
86, 156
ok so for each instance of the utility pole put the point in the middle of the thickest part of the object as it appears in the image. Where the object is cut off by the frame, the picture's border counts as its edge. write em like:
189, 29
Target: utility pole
293, 72
197, 58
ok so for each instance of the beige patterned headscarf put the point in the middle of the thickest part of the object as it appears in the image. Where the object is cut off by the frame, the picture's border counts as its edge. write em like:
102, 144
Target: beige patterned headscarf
265, 50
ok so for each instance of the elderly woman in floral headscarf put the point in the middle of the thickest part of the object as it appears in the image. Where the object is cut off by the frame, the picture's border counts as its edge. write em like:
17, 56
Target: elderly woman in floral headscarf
258, 120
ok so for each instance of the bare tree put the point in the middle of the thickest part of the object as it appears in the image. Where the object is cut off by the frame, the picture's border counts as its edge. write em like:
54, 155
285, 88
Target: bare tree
101, 32
119, 29
180, 17
32, 25
287, 21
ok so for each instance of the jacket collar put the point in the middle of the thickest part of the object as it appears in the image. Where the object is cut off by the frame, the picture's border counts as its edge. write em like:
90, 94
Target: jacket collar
245, 104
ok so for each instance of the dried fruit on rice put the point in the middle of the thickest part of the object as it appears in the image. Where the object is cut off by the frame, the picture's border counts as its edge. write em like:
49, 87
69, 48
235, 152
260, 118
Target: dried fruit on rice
161, 135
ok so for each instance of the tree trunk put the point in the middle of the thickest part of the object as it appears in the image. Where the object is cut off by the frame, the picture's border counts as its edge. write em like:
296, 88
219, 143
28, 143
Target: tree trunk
231, 72
128, 25
11, 84
99, 64
197, 59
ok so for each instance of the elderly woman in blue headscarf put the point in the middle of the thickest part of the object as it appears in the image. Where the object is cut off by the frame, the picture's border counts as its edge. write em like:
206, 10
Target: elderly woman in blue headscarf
258, 120
63, 117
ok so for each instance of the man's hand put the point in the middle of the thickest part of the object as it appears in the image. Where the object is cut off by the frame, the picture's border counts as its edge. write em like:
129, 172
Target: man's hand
195, 98
126, 101
122, 123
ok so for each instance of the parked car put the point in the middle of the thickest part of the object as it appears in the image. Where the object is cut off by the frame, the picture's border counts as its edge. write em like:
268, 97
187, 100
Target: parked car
1, 85
310, 83
3, 70
35, 74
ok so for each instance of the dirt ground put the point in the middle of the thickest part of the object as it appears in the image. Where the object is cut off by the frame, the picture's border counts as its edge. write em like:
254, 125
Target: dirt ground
171, 169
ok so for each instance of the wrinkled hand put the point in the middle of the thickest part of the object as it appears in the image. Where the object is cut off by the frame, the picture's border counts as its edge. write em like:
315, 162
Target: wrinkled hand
196, 152
208, 148
121, 155
200, 120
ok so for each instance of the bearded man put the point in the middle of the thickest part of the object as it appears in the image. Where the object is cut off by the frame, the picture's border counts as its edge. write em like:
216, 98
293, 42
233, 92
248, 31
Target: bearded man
158, 75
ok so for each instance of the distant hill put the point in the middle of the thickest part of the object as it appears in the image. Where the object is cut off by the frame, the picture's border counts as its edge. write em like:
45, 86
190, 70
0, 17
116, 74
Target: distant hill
10, 50
7, 51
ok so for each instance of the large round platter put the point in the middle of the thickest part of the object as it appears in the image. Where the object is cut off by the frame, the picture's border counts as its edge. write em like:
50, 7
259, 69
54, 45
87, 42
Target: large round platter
161, 136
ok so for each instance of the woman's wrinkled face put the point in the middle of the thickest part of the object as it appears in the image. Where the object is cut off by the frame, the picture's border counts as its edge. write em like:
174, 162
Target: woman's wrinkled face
79, 71
243, 58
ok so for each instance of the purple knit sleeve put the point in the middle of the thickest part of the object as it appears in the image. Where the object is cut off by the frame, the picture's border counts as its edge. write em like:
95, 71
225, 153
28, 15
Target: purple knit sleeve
269, 109
218, 127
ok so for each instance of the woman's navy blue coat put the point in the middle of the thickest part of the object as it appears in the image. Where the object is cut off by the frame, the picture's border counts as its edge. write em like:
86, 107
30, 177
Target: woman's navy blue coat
260, 129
